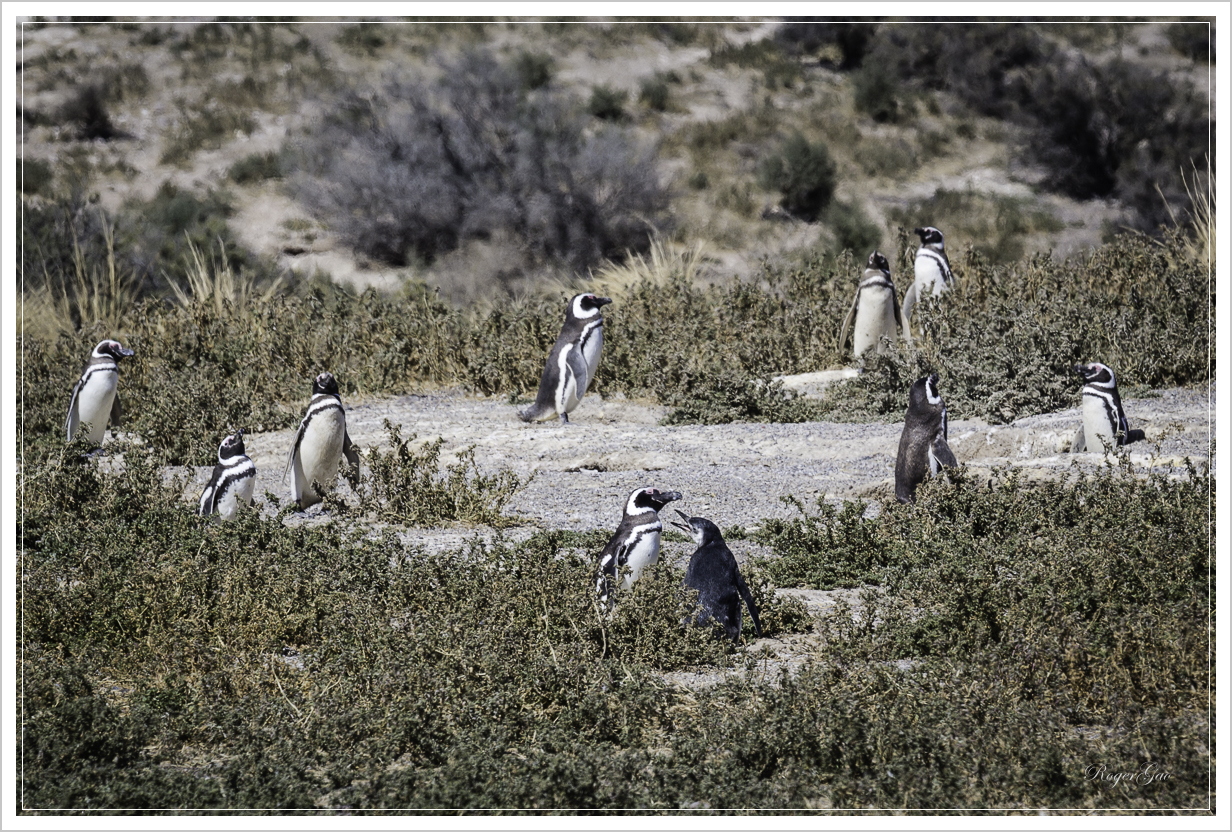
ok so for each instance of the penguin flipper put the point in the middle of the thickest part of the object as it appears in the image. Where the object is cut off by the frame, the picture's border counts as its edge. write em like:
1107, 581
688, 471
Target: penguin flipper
909, 300
117, 413
352, 457
743, 588
851, 316
902, 317
943, 454
299, 437
73, 422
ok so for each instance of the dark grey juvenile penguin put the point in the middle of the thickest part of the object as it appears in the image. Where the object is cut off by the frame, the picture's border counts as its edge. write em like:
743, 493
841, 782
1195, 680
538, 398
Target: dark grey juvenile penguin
572, 363
635, 543
95, 398
924, 448
232, 480
713, 572
320, 444
1104, 424
875, 310
932, 270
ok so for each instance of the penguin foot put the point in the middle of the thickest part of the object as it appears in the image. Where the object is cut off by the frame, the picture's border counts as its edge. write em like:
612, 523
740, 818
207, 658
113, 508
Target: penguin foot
564, 418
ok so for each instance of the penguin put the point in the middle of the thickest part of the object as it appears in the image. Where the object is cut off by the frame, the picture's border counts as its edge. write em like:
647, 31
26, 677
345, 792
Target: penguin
875, 309
924, 447
320, 444
232, 480
95, 398
932, 270
572, 363
713, 572
635, 543
1104, 424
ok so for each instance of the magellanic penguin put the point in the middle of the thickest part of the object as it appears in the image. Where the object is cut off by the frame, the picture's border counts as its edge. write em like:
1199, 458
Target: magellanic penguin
713, 572
572, 362
232, 480
932, 270
1104, 424
875, 310
320, 444
95, 400
635, 544
924, 447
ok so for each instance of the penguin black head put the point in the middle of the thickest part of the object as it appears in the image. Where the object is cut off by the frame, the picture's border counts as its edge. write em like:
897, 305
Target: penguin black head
700, 529
650, 498
930, 236
586, 305
924, 394
112, 349
233, 445
325, 383
878, 261
1096, 373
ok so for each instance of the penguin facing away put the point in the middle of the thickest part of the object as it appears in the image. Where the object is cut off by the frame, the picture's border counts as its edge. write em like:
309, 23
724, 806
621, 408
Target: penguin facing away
232, 480
635, 544
1104, 424
714, 573
875, 310
320, 444
572, 363
932, 270
924, 447
95, 399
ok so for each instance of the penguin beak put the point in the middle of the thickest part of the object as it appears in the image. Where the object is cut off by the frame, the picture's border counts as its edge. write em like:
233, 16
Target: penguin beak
126, 352
602, 301
686, 526
669, 496
239, 434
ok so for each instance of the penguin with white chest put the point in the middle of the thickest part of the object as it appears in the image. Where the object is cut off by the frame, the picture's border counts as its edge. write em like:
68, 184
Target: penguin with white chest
875, 310
635, 544
573, 361
232, 480
714, 573
96, 400
932, 270
1104, 424
924, 447
320, 444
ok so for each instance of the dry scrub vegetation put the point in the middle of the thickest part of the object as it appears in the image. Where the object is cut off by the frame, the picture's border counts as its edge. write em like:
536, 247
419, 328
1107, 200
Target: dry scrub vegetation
1015, 636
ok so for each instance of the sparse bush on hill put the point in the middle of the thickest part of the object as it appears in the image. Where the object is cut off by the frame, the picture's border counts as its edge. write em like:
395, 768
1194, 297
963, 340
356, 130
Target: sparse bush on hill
606, 103
807, 35
803, 172
413, 170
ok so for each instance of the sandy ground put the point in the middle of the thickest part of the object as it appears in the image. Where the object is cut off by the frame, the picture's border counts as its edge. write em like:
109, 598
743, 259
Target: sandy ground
734, 474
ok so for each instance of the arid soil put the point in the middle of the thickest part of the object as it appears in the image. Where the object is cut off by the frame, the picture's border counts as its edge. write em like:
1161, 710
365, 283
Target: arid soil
734, 474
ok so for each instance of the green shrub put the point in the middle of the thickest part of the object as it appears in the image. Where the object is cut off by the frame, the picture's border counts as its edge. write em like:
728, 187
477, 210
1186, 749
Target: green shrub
803, 172
655, 93
853, 229
535, 69
406, 486
256, 167
607, 103
33, 175
877, 93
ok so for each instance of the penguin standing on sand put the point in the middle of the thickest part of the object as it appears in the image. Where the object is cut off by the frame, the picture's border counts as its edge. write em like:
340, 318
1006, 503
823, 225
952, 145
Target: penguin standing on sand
1104, 424
572, 362
875, 309
713, 572
232, 480
95, 398
636, 542
932, 270
320, 444
924, 447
